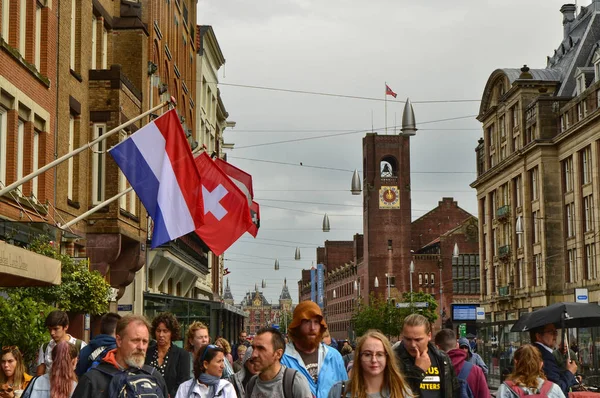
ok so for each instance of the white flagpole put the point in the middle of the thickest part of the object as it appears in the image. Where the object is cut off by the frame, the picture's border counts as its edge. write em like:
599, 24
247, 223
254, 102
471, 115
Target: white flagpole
96, 208
69, 155
385, 98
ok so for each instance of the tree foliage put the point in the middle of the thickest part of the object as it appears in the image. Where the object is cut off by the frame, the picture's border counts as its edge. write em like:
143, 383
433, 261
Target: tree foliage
23, 310
384, 315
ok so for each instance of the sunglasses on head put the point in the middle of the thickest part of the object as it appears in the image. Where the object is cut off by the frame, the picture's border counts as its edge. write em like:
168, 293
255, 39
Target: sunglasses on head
206, 351
9, 348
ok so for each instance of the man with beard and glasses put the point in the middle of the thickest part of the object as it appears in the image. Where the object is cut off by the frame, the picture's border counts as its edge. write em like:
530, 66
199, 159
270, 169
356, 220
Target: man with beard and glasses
126, 362
322, 365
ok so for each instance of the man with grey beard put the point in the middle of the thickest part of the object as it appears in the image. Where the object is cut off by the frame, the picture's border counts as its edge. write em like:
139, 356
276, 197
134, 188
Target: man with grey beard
123, 367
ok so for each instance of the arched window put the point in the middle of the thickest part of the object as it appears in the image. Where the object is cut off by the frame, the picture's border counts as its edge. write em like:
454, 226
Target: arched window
420, 279
388, 167
432, 279
426, 279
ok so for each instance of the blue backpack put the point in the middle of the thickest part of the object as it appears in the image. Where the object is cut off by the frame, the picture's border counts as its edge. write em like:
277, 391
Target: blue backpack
465, 390
132, 382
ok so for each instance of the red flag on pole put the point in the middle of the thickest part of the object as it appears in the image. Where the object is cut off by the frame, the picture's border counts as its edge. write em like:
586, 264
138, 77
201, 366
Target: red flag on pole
389, 91
255, 214
239, 177
226, 211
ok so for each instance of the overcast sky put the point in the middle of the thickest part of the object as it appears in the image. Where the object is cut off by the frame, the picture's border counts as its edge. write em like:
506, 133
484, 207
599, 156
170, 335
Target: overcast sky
426, 50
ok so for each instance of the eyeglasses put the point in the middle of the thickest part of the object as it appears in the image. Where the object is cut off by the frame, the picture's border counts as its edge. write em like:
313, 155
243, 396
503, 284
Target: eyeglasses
210, 346
368, 356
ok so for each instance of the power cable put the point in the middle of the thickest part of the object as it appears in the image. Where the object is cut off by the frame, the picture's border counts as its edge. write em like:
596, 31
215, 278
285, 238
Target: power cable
323, 94
345, 133
311, 212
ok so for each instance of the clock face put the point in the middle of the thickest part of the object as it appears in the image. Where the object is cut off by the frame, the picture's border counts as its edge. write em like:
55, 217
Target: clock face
389, 197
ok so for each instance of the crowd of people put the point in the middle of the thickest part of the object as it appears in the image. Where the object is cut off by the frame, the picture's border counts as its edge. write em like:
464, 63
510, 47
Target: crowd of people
134, 358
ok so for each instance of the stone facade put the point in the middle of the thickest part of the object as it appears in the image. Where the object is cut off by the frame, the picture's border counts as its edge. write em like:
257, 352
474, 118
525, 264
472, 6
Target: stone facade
537, 180
261, 313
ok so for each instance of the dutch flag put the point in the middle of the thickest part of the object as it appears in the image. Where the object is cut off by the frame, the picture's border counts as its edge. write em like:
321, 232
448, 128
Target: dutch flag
159, 165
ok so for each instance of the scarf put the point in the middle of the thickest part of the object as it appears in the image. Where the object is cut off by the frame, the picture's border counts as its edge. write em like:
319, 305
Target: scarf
211, 381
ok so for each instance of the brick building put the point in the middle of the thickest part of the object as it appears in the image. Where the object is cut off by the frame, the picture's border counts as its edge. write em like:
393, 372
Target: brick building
28, 98
261, 313
538, 184
392, 240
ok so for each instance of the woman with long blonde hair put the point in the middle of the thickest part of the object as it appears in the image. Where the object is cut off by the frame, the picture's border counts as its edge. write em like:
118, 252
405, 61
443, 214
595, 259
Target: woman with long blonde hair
375, 371
12, 371
527, 377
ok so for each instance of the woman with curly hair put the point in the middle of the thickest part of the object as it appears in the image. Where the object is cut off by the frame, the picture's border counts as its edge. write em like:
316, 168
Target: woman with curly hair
527, 377
375, 371
221, 342
12, 371
61, 381
172, 362
207, 381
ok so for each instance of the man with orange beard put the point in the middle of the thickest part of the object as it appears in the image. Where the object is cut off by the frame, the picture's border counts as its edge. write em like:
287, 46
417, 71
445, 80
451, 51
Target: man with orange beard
322, 365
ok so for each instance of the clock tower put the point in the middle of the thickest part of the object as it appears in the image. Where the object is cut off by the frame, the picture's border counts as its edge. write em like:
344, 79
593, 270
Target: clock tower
387, 211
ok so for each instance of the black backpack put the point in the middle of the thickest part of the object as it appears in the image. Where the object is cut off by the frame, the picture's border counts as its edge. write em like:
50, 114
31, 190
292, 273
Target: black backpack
132, 382
288, 383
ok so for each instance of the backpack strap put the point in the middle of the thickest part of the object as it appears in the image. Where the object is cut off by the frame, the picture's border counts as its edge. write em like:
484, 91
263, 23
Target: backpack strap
288, 382
465, 370
546, 386
29, 389
250, 385
514, 388
78, 345
343, 390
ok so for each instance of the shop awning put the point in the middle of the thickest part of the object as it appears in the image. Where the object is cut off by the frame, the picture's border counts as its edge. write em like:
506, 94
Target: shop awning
20, 267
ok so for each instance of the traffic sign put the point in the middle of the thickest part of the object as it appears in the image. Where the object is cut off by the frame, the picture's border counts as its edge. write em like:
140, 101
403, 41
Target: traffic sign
416, 304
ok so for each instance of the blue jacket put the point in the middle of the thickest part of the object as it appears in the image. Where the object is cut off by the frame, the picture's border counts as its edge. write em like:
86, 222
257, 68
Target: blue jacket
563, 378
331, 368
101, 340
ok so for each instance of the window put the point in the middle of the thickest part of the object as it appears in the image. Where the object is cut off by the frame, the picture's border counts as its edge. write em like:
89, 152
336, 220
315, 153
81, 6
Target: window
562, 124
73, 33
570, 212
534, 183
515, 116
520, 237
22, 26
536, 226
98, 165
520, 273
35, 161
505, 195
94, 41
5, 19
580, 84
501, 127
426, 280
70, 161
597, 70
494, 204
432, 279
518, 198
586, 165
20, 152
132, 202
420, 279
584, 105
122, 179
3, 134
590, 261
588, 213
104, 48
568, 174
572, 258
579, 112
538, 270
494, 242
38, 37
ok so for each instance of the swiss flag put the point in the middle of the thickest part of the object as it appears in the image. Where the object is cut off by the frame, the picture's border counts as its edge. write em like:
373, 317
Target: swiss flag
226, 211
255, 213
239, 177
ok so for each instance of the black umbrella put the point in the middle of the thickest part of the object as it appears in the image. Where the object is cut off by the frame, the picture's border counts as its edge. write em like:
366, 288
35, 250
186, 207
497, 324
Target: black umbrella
569, 315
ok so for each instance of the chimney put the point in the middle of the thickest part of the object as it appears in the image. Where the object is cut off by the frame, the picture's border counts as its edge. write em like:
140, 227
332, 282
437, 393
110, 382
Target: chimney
568, 11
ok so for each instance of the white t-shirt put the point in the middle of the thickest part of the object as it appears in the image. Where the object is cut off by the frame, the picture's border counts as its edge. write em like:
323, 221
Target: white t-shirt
224, 390
46, 357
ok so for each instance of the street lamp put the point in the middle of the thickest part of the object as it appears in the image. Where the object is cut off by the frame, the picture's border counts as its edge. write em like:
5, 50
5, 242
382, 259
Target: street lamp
297, 255
455, 251
355, 187
411, 270
519, 226
326, 227
387, 280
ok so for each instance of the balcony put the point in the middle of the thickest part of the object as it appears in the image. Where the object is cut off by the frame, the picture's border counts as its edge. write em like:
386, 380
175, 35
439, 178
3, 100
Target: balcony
504, 253
504, 292
503, 213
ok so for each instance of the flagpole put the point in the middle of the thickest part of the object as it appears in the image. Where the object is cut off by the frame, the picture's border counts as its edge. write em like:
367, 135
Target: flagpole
385, 108
96, 208
69, 155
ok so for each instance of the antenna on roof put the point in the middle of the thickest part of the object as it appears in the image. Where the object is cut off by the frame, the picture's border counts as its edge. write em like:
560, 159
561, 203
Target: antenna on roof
372, 121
